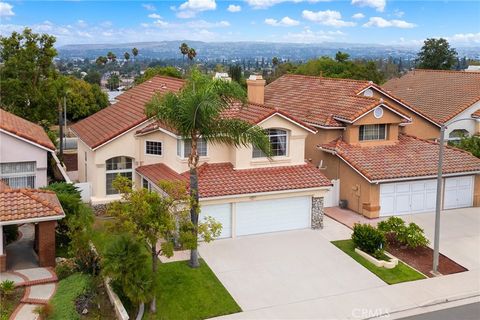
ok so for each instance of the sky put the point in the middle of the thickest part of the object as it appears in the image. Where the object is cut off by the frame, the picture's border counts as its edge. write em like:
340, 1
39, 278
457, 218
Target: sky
387, 22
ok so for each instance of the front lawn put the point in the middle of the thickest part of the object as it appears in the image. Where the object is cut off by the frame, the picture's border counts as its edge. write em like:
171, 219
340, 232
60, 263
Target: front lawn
401, 273
182, 292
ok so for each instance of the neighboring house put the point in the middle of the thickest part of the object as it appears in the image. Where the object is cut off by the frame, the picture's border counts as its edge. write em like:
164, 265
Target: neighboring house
240, 187
443, 96
41, 207
365, 140
24, 149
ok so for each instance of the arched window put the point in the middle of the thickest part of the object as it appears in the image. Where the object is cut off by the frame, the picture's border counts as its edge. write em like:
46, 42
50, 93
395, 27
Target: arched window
457, 134
278, 141
117, 166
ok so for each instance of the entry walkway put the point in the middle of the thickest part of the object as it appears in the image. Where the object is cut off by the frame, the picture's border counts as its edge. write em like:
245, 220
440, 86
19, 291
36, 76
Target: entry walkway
20, 253
348, 217
40, 286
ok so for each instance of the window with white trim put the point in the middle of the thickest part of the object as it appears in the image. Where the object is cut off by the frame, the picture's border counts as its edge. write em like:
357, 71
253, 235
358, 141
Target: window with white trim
146, 184
122, 166
278, 143
153, 147
18, 174
372, 132
184, 147
458, 134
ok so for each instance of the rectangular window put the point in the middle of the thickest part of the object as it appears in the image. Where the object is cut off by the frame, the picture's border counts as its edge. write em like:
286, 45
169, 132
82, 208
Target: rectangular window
111, 176
18, 174
372, 132
153, 148
184, 147
145, 184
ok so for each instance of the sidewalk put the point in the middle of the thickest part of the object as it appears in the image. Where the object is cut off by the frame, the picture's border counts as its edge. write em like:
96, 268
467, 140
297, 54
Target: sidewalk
375, 302
40, 286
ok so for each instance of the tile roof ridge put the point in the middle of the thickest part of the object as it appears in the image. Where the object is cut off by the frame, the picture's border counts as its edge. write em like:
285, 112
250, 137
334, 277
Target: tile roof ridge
44, 202
447, 146
325, 78
446, 71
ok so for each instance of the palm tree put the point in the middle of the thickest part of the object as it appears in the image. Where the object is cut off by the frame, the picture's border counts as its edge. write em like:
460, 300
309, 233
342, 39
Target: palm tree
110, 55
275, 63
126, 55
135, 53
101, 60
184, 51
191, 54
196, 112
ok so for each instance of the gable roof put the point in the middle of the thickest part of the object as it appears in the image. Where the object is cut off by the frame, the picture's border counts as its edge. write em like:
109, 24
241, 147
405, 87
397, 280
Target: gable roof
440, 94
25, 129
25, 204
320, 101
410, 157
124, 115
221, 179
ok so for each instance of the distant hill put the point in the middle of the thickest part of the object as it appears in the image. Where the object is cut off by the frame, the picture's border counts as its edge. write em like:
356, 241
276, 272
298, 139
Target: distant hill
248, 50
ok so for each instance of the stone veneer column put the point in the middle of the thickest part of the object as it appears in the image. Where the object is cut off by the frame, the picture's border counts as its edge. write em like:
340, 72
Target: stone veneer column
317, 212
46, 243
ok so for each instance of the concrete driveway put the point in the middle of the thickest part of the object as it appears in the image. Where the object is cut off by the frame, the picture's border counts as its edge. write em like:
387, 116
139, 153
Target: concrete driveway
282, 268
459, 234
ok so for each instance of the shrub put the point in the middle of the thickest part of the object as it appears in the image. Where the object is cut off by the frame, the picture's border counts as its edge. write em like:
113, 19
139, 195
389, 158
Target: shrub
391, 225
7, 287
412, 236
65, 268
44, 311
368, 239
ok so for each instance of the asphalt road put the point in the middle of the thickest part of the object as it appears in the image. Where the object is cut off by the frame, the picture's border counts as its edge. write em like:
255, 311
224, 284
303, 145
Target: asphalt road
465, 312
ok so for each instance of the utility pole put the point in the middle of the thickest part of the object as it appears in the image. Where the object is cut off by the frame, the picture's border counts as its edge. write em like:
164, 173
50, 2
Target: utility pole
60, 128
436, 242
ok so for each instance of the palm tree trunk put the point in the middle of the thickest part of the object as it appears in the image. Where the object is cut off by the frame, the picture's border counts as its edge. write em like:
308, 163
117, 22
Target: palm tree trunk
153, 304
193, 163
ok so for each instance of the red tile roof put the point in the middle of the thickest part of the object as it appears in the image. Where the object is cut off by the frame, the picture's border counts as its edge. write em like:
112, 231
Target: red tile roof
439, 94
318, 100
25, 129
126, 114
22, 204
409, 157
221, 179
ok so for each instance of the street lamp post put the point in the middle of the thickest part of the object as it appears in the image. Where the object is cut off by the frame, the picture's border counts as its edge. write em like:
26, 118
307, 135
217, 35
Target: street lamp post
438, 204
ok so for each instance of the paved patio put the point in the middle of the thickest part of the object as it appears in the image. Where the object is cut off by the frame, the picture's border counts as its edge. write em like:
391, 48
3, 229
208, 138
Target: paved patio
348, 217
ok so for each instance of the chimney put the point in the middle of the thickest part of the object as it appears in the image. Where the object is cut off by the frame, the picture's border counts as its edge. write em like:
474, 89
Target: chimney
256, 89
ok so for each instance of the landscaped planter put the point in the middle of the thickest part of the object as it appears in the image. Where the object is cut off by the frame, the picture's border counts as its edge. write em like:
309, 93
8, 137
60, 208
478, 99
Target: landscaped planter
379, 263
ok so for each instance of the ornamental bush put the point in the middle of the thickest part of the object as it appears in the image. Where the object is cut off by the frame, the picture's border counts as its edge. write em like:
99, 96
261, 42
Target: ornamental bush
369, 239
412, 236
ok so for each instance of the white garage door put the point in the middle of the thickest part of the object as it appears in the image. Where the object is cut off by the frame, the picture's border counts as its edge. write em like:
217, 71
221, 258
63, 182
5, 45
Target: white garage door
458, 192
221, 213
273, 215
407, 197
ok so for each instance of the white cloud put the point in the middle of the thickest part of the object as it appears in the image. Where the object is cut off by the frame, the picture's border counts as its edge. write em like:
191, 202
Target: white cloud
358, 16
160, 23
383, 23
6, 10
309, 36
82, 23
378, 5
234, 8
284, 22
106, 24
154, 16
398, 13
465, 38
190, 8
149, 7
327, 18
263, 4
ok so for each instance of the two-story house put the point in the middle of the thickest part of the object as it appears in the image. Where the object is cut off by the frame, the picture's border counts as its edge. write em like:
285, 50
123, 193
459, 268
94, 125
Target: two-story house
368, 140
239, 187
444, 96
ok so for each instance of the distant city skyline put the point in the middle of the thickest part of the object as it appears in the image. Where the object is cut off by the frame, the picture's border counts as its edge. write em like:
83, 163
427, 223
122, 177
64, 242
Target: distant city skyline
386, 22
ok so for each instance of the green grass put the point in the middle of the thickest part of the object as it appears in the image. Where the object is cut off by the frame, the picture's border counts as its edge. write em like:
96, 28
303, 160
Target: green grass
68, 290
182, 292
401, 273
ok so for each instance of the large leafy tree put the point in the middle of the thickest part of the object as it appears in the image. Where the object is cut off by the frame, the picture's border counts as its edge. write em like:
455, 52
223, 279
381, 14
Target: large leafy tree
159, 221
196, 113
27, 75
158, 71
436, 54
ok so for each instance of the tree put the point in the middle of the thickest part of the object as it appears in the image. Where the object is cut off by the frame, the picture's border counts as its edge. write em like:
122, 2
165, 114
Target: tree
196, 112
158, 71
184, 49
275, 64
436, 54
341, 56
126, 55
191, 54
111, 56
235, 72
101, 60
27, 75
113, 81
153, 218
470, 144
93, 77
135, 52
83, 99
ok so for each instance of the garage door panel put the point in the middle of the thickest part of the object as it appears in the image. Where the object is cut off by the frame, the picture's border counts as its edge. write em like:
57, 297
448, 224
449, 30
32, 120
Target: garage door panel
402, 188
387, 203
221, 213
272, 215
458, 192
409, 197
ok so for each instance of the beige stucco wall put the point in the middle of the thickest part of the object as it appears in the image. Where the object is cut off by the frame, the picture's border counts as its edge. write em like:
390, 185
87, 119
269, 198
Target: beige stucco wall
476, 191
243, 159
